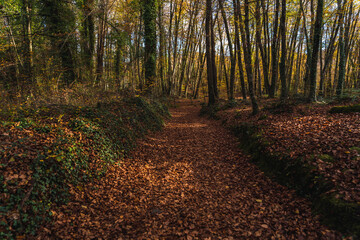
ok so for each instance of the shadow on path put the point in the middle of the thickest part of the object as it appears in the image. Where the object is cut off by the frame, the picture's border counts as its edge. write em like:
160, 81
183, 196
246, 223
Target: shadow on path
189, 181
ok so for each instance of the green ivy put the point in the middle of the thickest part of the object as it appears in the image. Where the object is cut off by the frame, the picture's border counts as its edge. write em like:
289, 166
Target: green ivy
108, 130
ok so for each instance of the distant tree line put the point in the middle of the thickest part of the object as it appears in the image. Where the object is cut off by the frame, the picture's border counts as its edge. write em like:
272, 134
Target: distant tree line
200, 48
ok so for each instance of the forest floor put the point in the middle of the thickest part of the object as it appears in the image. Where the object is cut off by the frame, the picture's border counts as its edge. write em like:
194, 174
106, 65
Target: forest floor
329, 142
189, 181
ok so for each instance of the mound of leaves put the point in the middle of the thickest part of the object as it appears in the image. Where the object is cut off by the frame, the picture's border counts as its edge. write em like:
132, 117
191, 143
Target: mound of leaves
48, 152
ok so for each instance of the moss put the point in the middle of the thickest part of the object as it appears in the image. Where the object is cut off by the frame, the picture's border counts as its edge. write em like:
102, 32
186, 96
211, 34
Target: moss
298, 175
327, 158
345, 109
108, 132
355, 149
337, 213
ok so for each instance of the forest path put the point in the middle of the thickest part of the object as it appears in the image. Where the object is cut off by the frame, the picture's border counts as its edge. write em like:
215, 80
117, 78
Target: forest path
189, 181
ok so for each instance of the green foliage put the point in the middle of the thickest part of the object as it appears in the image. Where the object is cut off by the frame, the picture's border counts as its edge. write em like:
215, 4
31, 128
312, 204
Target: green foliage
10, 6
326, 158
58, 16
85, 142
355, 149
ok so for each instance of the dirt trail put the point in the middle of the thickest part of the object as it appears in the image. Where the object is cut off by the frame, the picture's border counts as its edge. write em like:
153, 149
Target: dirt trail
189, 181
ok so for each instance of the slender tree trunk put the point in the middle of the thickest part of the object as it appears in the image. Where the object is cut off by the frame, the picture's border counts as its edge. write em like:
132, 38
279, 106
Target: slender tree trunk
138, 57
169, 72
292, 50
210, 61
267, 43
245, 36
149, 18
315, 52
161, 46
342, 62
202, 58
178, 17
189, 40
298, 66
329, 53
257, 67
238, 47
12, 74
29, 62
309, 45
213, 60
119, 67
260, 46
274, 52
231, 51
101, 42
284, 89
88, 39
223, 63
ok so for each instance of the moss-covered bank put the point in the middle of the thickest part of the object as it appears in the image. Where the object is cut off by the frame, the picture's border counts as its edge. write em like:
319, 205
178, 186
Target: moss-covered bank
48, 152
298, 175
345, 109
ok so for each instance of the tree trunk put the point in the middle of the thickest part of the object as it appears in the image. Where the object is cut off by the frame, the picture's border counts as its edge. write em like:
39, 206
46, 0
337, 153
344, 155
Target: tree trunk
231, 51
223, 63
274, 52
284, 88
315, 50
29, 62
342, 62
149, 18
245, 36
88, 39
260, 46
101, 42
161, 46
210, 61
238, 47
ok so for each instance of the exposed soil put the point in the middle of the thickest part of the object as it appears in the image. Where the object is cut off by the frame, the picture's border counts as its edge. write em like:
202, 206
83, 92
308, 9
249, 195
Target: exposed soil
189, 181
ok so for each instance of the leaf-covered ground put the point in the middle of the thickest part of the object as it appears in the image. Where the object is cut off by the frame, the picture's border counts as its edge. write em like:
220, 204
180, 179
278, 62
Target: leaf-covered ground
46, 152
189, 181
329, 142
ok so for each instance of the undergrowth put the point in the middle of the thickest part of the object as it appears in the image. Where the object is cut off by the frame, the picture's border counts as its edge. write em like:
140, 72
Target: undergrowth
50, 151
